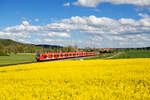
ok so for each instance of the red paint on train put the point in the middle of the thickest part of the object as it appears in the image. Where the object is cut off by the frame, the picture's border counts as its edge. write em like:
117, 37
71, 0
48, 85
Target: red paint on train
49, 56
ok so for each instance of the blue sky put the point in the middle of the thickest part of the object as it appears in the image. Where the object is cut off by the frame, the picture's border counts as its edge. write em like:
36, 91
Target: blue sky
92, 23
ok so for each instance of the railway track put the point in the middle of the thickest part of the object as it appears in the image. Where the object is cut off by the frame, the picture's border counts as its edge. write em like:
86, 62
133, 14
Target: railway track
71, 58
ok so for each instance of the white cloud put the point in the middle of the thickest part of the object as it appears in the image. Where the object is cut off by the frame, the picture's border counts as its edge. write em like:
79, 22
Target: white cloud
22, 27
132, 44
120, 38
143, 15
94, 3
21, 40
14, 36
57, 34
37, 40
91, 25
36, 20
25, 23
96, 10
105, 25
129, 38
97, 28
1, 33
66, 4
48, 40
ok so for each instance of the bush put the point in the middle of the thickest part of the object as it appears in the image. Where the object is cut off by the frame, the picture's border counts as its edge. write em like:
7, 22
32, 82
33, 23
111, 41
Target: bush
2, 53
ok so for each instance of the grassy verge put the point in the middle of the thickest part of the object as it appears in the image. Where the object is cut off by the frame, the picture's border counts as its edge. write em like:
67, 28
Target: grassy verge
16, 58
92, 58
133, 54
101, 56
123, 55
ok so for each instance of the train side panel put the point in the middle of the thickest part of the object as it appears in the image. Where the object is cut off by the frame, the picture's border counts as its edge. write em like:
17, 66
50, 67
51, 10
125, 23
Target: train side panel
49, 56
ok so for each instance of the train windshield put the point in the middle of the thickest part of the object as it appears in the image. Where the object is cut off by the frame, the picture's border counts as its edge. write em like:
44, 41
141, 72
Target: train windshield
38, 55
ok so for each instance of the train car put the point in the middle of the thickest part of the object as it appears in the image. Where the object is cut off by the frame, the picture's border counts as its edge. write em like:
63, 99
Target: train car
50, 56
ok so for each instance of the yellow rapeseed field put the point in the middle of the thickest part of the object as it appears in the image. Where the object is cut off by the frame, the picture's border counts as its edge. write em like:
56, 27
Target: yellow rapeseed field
122, 79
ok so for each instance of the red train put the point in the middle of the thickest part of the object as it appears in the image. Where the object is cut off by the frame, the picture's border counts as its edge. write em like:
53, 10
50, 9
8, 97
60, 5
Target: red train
50, 56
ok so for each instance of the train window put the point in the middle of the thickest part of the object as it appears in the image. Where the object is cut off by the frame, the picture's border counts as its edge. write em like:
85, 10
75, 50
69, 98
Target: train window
50, 55
45, 56
38, 55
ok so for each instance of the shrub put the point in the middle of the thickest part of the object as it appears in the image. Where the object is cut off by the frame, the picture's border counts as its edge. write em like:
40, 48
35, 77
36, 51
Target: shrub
2, 53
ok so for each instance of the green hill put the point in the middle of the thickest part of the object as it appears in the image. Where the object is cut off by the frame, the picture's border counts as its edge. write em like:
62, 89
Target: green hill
8, 46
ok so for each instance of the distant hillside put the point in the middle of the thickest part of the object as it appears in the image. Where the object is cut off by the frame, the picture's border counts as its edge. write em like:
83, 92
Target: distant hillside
7, 42
49, 46
8, 46
138, 48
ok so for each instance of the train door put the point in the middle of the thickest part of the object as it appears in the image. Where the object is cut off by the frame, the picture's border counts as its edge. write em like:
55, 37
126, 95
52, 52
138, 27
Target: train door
53, 56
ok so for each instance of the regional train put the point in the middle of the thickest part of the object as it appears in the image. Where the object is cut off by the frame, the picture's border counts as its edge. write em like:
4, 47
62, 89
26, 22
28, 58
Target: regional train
51, 56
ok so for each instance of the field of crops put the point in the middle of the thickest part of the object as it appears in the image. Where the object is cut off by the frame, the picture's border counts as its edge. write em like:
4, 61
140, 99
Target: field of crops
123, 79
